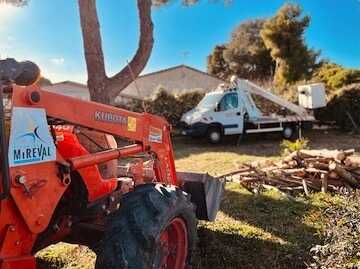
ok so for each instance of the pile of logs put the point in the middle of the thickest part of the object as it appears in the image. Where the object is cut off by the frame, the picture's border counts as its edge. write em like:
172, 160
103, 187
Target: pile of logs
304, 170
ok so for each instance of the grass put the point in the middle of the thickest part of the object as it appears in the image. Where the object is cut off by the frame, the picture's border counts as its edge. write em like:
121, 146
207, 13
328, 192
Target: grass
252, 231
262, 231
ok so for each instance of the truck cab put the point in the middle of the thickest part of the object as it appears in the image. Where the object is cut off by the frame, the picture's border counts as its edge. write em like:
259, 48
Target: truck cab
219, 113
232, 111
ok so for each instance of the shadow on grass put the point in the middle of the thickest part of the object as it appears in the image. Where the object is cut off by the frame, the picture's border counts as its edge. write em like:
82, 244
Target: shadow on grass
284, 239
233, 251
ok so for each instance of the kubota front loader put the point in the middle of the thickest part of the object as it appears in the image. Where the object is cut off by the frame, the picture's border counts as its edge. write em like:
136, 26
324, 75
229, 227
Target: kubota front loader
53, 189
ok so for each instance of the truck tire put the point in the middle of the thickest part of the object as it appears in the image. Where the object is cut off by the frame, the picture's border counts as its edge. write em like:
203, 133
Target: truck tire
154, 228
290, 132
214, 135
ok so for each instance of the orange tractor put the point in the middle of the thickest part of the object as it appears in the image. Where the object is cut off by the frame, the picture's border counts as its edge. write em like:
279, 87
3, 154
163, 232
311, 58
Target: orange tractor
52, 187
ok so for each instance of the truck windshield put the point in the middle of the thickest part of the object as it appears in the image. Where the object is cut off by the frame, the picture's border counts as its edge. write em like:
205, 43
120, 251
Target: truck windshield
210, 100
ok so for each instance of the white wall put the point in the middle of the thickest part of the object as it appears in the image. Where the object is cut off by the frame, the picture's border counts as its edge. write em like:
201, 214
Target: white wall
69, 89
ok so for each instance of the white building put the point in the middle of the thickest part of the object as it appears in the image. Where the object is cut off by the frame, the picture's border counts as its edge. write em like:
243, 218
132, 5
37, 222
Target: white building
69, 88
176, 80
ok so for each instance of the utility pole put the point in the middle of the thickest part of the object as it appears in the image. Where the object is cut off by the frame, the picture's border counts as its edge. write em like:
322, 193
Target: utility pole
185, 55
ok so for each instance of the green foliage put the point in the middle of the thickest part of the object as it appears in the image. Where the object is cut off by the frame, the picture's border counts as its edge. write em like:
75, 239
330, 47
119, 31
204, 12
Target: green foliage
167, 105
288, 146
344, 102
335, 76
245, 55
283, 35
216, 63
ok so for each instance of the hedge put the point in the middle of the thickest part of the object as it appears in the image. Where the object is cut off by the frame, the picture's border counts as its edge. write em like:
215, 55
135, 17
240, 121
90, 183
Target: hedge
168, 105
343, 103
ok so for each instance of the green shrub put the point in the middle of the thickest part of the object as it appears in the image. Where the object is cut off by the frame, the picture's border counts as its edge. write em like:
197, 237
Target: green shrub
343, 103
335, 76
288, 146
168, 105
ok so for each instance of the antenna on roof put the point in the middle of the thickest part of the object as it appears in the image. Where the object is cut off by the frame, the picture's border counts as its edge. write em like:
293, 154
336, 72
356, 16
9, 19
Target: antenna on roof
136, 86
185, 55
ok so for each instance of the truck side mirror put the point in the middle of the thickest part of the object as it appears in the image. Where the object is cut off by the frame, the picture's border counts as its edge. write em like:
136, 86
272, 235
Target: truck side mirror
217, 107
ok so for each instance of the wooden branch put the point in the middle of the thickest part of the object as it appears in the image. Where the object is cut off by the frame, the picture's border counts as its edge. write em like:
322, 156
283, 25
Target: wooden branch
334, 154
319, 165
239, 171
356, 127
318, 170
270, 187
305, 188
103, 89
352, 162
94, 55
291, 157
311, 170
324, 183
333, 175
121, 80
342, 172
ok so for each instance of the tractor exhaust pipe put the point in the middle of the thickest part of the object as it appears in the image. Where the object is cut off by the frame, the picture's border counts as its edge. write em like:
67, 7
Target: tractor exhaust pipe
4, 151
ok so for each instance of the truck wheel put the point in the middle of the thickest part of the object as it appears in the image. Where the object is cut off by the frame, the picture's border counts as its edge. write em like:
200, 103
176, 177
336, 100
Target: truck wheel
154, 228
289, 132
214, 135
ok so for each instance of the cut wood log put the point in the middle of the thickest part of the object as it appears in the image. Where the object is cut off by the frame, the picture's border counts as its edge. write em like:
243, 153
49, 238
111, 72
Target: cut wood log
342, 172
352, 162
334, 154
239, 171
324, 183
333, 175
315, 171
300, 172
307, 170
291, 157
305, 187
319, 165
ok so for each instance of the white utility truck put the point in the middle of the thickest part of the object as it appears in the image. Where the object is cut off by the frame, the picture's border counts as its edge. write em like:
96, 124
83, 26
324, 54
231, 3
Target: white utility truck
232, 111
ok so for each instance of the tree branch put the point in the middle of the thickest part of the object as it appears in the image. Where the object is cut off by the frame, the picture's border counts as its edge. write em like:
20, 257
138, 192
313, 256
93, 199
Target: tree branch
93, 48
121, 80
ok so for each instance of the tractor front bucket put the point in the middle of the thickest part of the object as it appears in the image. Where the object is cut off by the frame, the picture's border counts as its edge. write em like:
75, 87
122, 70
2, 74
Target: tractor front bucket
206, 193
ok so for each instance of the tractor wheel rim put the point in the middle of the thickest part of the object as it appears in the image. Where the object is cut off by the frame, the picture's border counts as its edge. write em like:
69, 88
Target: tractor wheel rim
174, 242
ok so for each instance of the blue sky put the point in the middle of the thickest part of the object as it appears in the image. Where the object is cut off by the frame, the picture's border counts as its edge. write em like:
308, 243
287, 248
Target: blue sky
48, 32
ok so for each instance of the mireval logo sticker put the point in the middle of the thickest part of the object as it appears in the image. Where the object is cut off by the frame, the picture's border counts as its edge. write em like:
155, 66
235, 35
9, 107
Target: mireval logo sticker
30, 139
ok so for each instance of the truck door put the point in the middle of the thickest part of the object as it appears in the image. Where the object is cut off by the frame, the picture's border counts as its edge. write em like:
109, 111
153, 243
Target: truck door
229, 114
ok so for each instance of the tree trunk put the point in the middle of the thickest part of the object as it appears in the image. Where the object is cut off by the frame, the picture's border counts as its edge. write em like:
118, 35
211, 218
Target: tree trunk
102, 88
94, 55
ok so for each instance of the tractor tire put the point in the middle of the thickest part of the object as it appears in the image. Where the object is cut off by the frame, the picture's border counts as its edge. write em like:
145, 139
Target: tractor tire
154, 228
